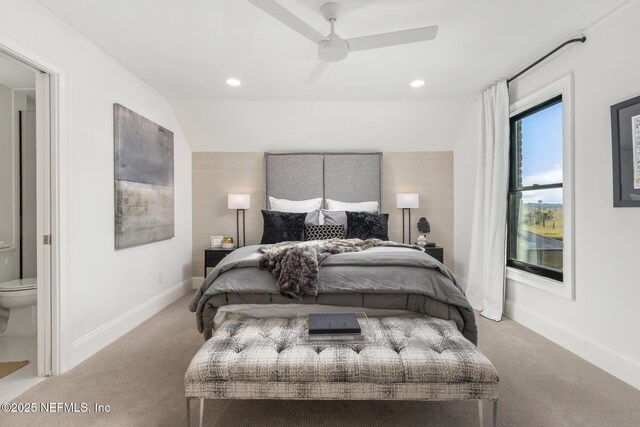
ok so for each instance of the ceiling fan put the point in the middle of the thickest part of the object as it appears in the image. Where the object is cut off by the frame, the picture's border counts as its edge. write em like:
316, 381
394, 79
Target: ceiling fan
332, 47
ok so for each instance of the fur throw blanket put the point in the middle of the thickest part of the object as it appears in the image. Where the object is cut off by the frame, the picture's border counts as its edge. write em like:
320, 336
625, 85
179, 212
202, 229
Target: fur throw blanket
296, 265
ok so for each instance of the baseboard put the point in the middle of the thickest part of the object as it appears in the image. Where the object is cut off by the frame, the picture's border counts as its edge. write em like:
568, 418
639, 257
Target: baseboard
96, 340
613, 362
197, 281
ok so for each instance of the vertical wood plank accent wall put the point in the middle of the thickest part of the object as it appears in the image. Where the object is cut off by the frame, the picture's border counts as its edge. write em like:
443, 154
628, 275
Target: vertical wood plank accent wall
215, 174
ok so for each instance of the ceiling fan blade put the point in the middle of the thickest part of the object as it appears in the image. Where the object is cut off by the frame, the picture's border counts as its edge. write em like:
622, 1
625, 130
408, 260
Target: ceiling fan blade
289, 19
393, 39
318, 69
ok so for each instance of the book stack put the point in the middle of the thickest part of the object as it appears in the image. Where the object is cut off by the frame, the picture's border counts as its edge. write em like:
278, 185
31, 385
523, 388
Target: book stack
334, 327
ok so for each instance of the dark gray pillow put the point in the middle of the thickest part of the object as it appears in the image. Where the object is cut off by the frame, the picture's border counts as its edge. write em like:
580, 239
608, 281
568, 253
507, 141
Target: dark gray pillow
323, 232
366, 225
335, 218
282, 227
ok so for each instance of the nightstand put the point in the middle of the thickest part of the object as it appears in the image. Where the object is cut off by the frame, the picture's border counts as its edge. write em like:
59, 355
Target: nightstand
436, 251
212, 256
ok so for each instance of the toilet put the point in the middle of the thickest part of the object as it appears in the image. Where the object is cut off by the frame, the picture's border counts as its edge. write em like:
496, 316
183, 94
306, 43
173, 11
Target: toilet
18, 304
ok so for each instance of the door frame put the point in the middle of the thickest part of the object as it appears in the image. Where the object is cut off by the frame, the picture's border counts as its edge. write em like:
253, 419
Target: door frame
54, 325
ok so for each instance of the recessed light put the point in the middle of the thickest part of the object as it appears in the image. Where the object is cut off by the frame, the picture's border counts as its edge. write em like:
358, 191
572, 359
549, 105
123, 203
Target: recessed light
234, 82
417, 83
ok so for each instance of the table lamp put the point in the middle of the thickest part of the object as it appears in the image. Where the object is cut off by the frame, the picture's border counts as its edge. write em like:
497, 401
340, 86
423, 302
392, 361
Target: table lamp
239, 202
406, 202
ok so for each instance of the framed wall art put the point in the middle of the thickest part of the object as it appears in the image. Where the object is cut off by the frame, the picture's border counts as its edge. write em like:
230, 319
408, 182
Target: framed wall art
625, 131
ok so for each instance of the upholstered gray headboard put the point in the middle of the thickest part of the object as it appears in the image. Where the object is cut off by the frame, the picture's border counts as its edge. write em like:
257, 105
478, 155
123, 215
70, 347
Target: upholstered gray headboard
347, 177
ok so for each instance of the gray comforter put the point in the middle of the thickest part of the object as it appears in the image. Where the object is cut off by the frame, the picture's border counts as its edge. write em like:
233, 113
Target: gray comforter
296, 265
382, 277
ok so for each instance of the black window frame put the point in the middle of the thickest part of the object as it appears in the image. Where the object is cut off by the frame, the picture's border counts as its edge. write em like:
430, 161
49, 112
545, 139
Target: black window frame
513, 189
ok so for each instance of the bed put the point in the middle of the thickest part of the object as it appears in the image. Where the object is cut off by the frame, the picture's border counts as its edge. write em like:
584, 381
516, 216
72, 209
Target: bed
382, 281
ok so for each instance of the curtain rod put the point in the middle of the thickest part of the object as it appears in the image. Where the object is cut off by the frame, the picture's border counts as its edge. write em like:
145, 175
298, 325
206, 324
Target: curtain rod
568, 42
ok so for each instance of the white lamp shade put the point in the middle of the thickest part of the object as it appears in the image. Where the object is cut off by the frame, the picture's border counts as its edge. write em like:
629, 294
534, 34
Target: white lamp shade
239, 201
407, 200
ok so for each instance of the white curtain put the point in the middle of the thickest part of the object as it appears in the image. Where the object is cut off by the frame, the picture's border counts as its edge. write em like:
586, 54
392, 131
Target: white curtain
485, 284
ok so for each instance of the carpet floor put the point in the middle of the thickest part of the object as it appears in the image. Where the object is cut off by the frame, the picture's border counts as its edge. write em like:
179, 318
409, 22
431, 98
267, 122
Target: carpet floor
140, 377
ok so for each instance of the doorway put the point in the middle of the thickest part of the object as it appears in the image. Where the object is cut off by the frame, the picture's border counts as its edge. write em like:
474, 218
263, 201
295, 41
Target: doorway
26, 286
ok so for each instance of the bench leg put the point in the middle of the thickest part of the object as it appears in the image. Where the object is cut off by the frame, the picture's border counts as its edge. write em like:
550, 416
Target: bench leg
201, 410
188, 412
488, 410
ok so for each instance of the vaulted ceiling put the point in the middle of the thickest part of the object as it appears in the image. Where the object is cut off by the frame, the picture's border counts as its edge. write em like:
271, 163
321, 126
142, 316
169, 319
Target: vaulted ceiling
186, 49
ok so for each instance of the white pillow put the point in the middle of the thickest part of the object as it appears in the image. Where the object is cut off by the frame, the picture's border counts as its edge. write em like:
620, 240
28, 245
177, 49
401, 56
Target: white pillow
335, 205
295, 206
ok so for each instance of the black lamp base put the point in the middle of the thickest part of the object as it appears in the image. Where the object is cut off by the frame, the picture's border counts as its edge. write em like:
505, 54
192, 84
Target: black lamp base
244, 235
403, 225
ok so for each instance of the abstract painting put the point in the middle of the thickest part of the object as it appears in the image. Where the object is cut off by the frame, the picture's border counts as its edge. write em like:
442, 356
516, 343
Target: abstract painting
143, 180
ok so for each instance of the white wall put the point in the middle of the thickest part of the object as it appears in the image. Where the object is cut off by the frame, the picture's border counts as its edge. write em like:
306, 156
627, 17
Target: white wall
320, 126
9, 268
11, 103
108, 290
27, 192
601, 323
6, 164
257, 126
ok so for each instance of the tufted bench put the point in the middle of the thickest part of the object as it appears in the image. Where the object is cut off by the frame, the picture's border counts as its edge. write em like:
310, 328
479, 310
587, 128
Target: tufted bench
412, 359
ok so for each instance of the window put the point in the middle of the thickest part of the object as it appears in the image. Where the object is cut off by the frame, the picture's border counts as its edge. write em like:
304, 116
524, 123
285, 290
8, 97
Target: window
536, 209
